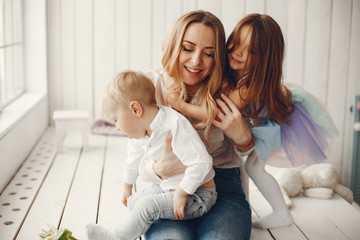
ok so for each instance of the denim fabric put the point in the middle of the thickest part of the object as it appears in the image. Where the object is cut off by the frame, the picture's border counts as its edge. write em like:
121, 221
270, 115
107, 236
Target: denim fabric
229, 218
152, 204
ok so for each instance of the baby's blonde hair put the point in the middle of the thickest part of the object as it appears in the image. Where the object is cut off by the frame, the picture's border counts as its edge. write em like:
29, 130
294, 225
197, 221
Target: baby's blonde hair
127, 86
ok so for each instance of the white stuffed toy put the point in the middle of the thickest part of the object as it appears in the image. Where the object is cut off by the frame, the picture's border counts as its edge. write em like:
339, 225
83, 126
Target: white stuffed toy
316, 181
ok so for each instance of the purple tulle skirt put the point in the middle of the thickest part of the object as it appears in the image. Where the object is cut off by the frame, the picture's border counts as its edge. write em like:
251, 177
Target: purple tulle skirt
304, 140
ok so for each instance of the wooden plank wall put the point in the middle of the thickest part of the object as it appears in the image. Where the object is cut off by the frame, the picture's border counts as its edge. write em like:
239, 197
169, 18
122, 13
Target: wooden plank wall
89, 41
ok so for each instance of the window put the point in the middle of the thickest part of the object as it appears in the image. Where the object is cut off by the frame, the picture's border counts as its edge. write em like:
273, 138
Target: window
11, 68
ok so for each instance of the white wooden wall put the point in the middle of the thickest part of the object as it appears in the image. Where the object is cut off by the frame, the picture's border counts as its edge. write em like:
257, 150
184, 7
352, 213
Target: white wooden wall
90, 40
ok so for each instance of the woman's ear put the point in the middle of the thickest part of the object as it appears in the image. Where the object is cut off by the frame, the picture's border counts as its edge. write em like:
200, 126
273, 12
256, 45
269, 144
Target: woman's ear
136, 108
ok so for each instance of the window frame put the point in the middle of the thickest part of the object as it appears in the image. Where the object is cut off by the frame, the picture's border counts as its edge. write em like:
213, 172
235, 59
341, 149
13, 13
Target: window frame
12, 83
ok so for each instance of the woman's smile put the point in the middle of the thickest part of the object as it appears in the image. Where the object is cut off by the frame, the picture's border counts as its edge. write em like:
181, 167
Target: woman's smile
192, 70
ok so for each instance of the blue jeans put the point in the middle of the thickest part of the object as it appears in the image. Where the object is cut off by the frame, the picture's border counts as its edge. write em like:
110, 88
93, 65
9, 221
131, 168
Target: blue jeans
229, 218
153, 203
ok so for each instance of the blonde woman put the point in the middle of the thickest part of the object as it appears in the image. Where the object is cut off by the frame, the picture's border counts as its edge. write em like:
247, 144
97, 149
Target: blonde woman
195, 55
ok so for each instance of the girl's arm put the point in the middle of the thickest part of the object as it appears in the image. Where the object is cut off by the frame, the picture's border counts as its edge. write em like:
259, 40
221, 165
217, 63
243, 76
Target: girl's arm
238, 97
195, 111
172, 92
185, 108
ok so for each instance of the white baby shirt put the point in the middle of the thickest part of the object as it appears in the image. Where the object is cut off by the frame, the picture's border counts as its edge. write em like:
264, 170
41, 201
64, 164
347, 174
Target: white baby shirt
186, 145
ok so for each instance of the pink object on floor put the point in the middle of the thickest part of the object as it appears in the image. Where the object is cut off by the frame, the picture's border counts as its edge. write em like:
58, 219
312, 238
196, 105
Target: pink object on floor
103, 127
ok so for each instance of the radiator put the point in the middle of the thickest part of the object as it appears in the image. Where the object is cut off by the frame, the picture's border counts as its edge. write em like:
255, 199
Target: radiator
355, 158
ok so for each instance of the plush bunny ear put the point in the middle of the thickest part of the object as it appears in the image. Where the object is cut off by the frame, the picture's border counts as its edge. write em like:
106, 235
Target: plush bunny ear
345, 193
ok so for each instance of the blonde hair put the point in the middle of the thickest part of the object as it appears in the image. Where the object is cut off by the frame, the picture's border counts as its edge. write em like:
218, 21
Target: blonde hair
127, 86
211, 84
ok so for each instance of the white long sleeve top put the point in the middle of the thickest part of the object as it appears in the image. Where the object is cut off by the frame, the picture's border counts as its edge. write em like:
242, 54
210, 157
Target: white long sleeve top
186, 144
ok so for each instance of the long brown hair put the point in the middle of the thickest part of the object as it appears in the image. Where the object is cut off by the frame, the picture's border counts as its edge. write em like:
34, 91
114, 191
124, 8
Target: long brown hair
211, 84
263, 80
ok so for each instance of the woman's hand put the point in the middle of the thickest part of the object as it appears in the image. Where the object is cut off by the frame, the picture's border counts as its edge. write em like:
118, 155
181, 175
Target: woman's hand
231, 122
169, 165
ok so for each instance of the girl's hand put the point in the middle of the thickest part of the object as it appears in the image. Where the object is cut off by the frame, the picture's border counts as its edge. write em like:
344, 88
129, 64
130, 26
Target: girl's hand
173, 99
170, 85
180, 199
127, 193
172, 91
231, 122
169, 165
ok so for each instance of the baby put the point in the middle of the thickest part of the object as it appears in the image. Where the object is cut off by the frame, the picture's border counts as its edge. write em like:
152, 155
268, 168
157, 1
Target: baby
129, 101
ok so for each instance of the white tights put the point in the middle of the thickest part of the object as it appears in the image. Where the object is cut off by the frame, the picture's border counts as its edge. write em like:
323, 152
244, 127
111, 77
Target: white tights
270, 189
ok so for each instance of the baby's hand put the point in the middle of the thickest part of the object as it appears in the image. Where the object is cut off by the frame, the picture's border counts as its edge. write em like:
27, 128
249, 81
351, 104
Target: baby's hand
180, 199
127, 193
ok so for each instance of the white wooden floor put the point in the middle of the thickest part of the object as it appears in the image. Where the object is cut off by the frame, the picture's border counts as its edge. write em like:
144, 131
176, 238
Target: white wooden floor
75, 187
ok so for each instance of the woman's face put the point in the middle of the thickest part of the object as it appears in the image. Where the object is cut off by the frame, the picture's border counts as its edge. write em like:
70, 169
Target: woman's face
240, 57
196, 58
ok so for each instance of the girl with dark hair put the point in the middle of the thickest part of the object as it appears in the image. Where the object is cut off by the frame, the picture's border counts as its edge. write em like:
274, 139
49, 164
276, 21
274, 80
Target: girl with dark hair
281, 117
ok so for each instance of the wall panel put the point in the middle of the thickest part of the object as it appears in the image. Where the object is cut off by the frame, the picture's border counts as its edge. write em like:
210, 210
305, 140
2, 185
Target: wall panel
160, 30
68, 53
172, 12
294, 49
188, 5
317, 45
278, 9
54, 56
231, 14
140, 34
337, 72
122, 35
104, 48
213, 6
83, 55
255, 6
